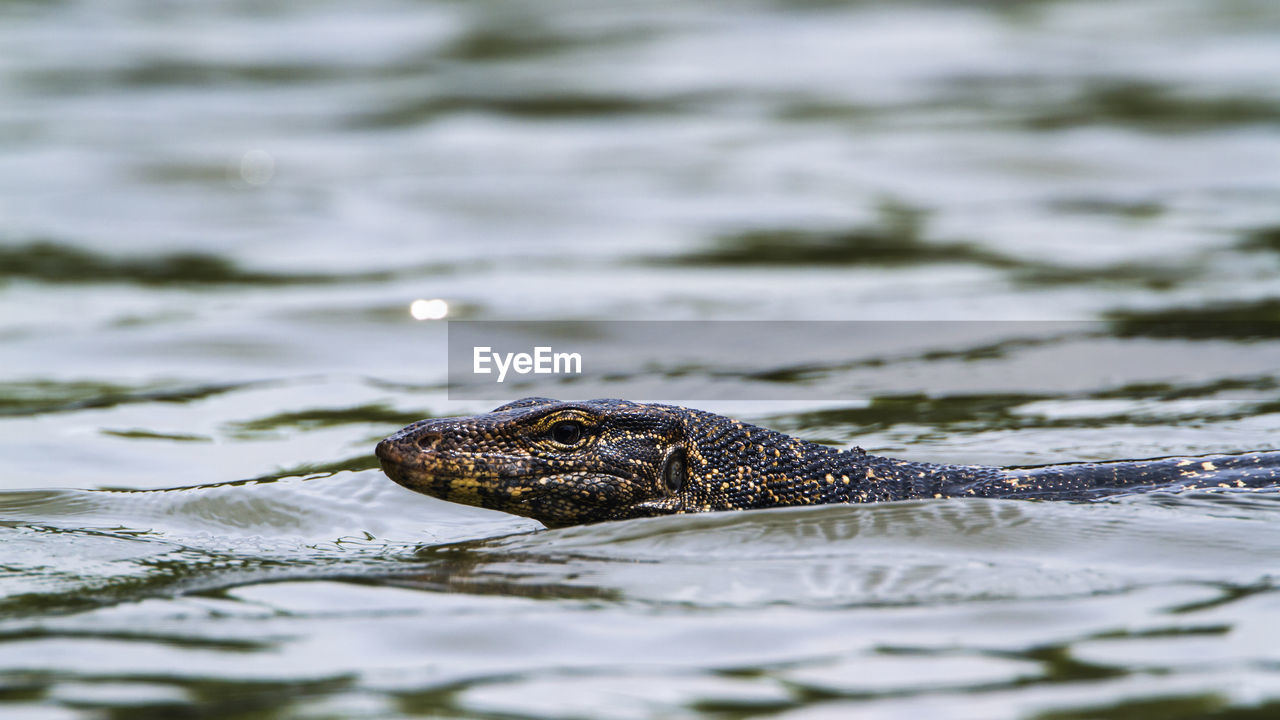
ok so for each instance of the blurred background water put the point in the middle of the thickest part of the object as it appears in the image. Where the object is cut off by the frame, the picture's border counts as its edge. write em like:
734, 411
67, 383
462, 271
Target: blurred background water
214, 217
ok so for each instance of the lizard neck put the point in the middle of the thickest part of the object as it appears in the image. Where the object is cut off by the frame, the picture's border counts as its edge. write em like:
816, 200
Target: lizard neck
736, 466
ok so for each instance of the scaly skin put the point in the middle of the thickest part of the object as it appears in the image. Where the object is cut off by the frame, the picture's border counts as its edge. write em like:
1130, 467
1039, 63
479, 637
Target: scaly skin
567, 463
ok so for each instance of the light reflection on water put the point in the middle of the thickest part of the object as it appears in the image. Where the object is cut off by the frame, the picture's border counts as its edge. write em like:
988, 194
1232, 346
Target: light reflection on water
214, 220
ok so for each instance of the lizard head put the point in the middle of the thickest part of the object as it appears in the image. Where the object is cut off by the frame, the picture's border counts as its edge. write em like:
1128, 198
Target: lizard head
561, 463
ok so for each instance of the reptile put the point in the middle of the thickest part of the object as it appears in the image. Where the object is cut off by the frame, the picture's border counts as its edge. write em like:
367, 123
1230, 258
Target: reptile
569, 463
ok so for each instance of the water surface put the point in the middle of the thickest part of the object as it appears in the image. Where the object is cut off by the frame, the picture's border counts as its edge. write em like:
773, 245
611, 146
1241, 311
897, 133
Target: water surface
213, 220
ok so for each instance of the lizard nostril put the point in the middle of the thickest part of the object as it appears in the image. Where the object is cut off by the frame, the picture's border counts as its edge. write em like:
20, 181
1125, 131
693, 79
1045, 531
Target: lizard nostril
428, 440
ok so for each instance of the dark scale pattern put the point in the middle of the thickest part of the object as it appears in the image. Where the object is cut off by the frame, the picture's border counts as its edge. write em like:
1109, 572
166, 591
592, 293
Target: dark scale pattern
624, 461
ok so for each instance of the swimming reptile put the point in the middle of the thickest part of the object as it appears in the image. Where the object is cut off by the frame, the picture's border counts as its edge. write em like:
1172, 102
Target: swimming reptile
567, 463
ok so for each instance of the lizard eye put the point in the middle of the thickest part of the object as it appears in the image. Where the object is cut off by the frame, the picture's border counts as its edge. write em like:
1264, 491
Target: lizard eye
567, 432
673, 471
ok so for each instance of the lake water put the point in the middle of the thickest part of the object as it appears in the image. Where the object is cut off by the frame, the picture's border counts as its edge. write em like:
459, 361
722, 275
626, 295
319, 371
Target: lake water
214, 218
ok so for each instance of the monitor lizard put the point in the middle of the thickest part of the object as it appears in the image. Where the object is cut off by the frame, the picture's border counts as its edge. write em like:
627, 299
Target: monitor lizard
568, 463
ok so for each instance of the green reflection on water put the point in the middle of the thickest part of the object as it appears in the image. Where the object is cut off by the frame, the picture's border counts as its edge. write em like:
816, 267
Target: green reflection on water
1176, 708
1155, 107
327, 417
543, 105
897, 240
1239, 320
38, 397
1265, 238
54, 262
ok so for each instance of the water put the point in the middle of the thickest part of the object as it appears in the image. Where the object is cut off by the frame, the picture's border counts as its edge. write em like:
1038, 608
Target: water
213, 221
